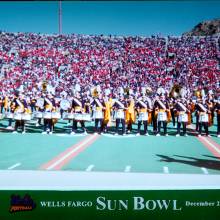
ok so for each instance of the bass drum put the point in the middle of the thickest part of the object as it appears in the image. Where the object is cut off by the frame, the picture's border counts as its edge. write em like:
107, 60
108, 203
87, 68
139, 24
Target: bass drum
65, 104
40, 103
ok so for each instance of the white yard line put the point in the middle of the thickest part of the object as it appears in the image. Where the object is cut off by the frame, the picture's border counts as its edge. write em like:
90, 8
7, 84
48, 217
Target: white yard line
204, 170
89, 168
166, 170
127, 169
14, 166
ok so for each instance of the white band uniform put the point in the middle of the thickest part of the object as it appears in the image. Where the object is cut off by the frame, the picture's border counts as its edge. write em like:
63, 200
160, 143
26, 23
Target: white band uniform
38, 114
162, 116
22, 116
26, 117
9, 115
47, 115
68, 116
86, 117
78, 117
98, 114
119, 114
143, 116
203, 117
183, 117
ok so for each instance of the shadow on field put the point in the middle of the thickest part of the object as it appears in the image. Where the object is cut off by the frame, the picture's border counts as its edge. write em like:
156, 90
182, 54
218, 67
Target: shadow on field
193, 161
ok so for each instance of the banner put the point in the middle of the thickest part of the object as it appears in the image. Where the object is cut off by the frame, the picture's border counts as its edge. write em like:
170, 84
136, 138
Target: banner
108, 205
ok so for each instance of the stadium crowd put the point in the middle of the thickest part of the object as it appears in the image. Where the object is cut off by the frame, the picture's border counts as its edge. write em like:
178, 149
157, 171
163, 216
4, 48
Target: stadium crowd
26, 59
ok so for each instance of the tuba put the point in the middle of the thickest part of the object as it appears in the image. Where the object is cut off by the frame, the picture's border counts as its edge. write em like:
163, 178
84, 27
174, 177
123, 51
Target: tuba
198, 94
95, 93
44, 86
127, 91
175, 92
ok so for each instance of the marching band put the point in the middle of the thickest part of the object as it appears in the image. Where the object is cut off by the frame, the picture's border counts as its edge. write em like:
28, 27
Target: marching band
107, 110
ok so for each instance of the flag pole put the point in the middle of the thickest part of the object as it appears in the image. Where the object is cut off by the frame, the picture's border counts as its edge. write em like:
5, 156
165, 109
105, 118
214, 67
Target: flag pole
60, 17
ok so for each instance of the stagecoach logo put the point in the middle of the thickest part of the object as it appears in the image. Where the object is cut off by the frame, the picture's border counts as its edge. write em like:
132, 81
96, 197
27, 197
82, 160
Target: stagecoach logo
19, 204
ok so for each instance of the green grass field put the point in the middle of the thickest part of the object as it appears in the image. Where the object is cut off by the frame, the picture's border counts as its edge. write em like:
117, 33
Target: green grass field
107, 152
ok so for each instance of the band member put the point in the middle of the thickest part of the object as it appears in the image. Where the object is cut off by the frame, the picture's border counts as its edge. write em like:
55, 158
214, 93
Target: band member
20, 107
98, 107
49, 107
172, 111
217, 109
107, 113
203, 112
183, 116
162, 110
129, 113
77, 109
39, 107
144, 108
211, 105
119, 114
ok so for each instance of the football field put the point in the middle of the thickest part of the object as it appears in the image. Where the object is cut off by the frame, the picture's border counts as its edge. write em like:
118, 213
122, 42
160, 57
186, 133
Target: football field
107, 152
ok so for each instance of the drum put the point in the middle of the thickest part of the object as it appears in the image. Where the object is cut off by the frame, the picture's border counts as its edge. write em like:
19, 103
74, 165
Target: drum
17, 116
98, 114
38, 114
203, 117
47, 115
56, 115
162, 116
78, 116
143, 116
119, 114
68, 116
26, 117
65, 104
183, 117
86, 117
9, 115
40, 102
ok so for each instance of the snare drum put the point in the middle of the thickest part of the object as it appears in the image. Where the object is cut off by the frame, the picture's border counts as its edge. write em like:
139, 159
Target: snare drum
17, 116
143, 116
162, 116
78, 116
47, 115
9, 115
26, 117
98, 114
38, 115
183, 117
55, 115
119, 114
68, 116
86, 117
203, 117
